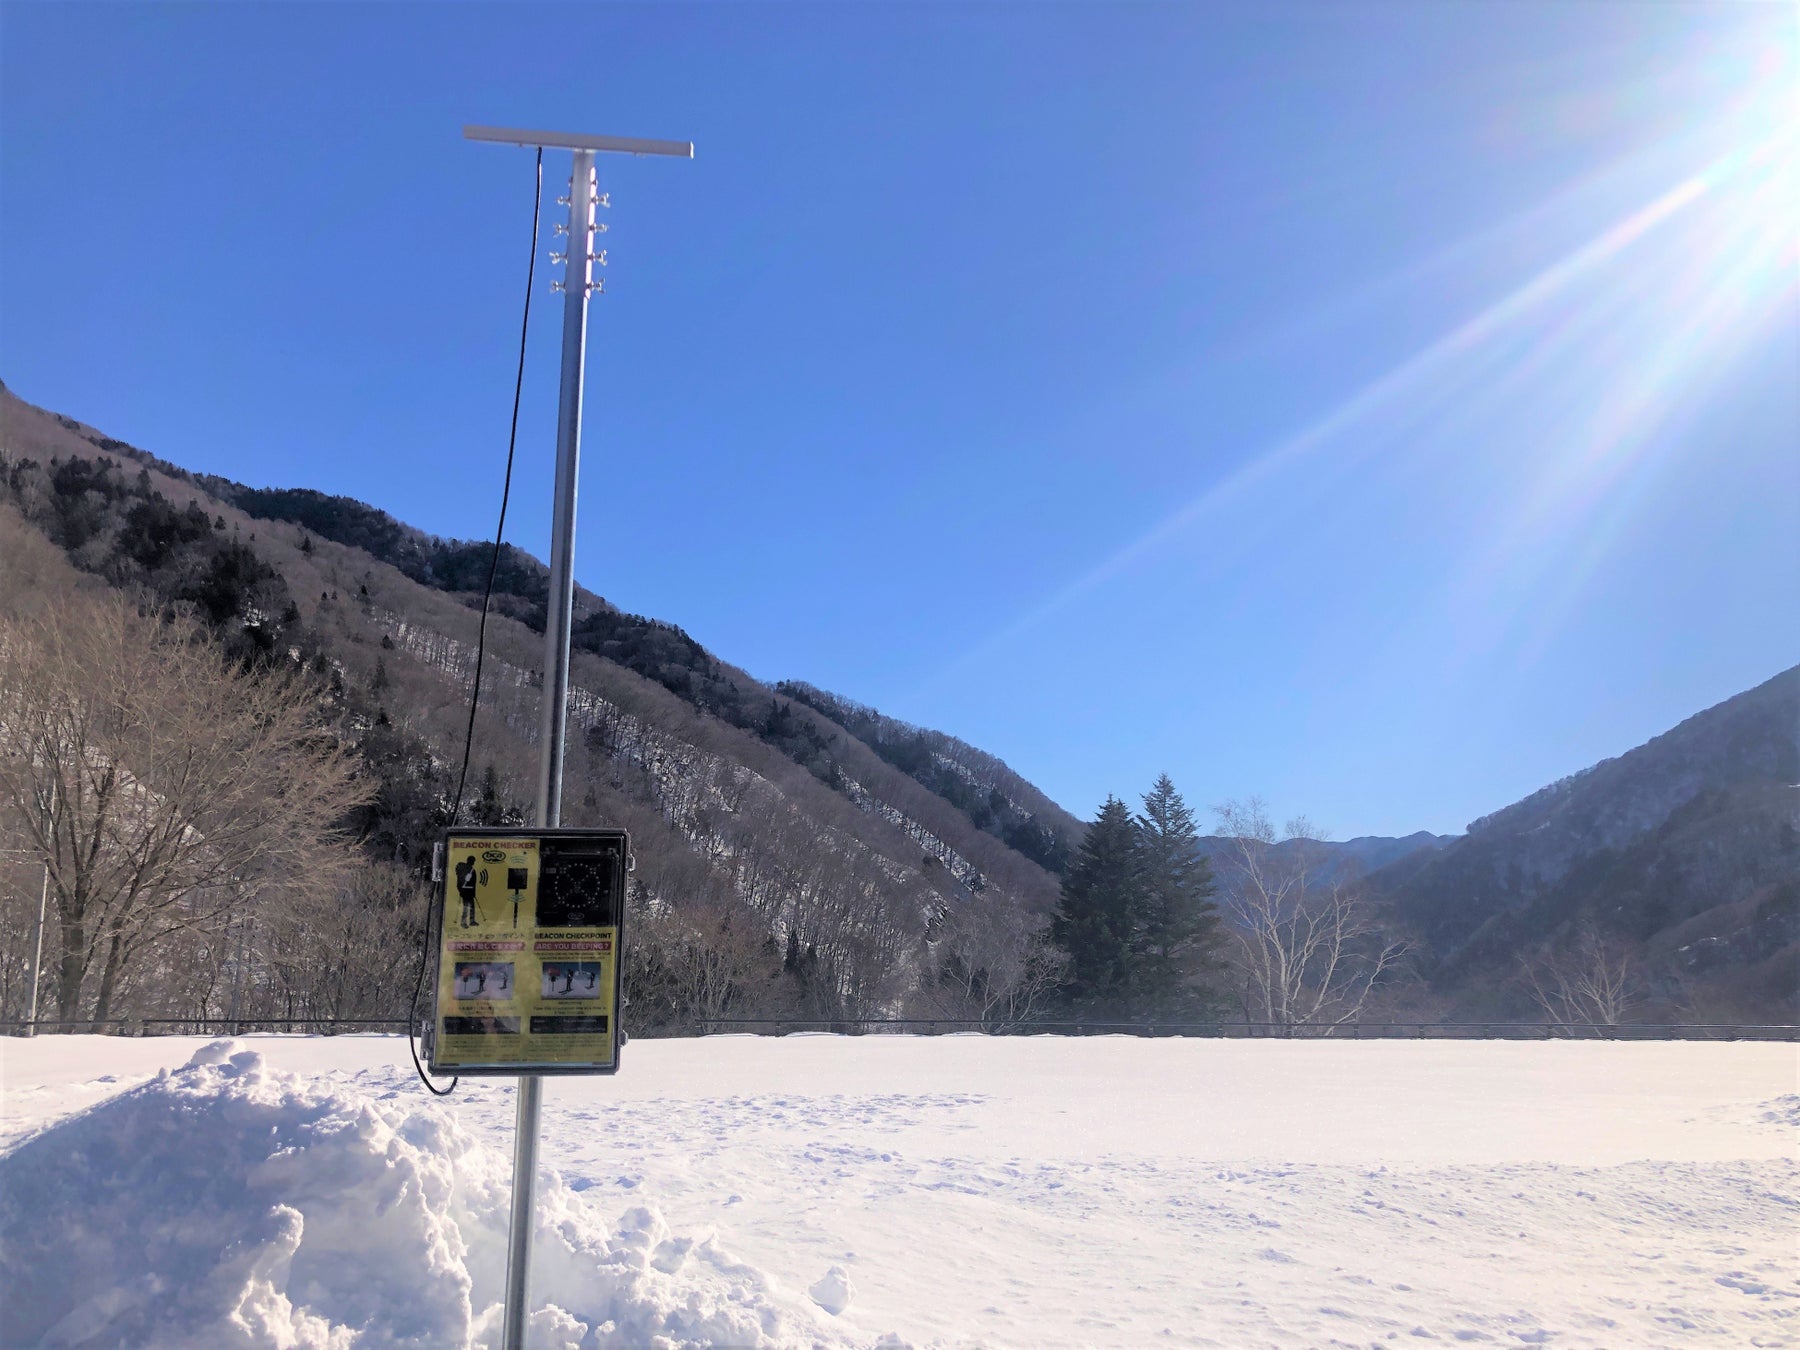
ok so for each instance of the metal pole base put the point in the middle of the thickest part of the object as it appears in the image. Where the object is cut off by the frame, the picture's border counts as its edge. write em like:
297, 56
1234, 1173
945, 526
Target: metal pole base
518, 1233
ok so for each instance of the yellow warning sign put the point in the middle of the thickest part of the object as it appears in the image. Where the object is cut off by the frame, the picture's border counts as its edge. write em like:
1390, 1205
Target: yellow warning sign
527, 977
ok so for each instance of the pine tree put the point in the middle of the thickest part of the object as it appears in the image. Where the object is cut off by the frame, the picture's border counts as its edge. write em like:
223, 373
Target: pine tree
489, 808
1176, 929
1093, 920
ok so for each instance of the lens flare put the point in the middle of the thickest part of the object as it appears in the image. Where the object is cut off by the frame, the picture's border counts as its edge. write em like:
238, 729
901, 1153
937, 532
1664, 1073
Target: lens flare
1559, 393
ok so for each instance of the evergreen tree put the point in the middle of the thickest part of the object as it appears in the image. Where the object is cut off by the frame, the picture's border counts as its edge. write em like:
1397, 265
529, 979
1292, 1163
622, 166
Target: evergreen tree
490, 808
1176, 930
1093, 920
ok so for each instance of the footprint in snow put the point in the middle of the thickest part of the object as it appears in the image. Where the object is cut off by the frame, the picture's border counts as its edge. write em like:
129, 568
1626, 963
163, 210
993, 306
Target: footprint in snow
1744, 1284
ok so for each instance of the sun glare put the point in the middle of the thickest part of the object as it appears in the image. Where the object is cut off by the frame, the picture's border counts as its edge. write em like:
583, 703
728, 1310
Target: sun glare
1580, 366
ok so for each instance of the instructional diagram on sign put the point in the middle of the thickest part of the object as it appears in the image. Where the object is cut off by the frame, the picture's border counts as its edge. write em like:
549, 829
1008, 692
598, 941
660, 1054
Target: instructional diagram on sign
527, 960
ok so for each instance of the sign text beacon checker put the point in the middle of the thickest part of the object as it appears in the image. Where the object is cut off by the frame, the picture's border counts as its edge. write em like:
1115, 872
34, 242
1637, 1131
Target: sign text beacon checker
529, 923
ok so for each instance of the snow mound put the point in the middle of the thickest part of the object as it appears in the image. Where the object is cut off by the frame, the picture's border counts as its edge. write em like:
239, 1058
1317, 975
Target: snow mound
230, 1205
833, 1291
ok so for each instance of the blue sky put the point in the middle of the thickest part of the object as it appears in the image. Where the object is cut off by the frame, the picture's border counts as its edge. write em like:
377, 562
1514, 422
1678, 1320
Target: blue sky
1385, 409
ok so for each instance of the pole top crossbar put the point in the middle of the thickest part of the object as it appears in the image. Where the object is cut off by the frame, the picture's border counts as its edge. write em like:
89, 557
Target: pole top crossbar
570, 140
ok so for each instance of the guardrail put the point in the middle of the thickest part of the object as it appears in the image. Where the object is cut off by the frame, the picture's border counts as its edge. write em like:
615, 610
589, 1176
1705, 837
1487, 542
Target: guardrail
194, 1026
942, 1026
1266, 1030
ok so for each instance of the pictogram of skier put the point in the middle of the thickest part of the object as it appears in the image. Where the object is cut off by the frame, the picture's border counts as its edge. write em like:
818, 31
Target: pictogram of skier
465, 887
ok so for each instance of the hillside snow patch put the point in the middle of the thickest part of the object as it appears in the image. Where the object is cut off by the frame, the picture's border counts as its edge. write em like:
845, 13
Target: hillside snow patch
230, 1205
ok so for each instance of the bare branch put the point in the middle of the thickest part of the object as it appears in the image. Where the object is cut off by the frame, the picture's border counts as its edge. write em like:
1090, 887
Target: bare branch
1309, 948
160, 787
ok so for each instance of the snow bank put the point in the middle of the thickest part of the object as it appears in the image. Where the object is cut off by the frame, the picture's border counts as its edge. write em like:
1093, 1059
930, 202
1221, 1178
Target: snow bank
227, 1204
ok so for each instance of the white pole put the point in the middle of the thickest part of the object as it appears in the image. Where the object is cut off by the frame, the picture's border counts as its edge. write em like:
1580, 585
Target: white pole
43, 913
557, 621
37, 952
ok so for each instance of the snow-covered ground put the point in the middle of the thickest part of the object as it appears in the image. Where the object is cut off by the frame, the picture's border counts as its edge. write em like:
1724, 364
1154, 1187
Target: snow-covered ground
926, 1191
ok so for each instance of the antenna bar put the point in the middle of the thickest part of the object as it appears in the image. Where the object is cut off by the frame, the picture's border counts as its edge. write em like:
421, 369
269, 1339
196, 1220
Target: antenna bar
569, 140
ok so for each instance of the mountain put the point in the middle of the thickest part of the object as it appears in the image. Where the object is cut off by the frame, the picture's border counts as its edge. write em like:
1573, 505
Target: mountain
832, 860
992, 795
850, 837
1685, 852
1371, 852
823, 851
1346, 861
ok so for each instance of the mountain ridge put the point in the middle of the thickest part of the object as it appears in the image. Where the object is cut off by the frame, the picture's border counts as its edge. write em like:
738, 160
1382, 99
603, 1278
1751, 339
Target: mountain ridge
815, 811
751, 811
1682, 848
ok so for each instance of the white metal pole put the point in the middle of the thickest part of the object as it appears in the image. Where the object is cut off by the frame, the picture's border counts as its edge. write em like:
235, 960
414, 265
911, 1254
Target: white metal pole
37, 952
557, 621
43, 915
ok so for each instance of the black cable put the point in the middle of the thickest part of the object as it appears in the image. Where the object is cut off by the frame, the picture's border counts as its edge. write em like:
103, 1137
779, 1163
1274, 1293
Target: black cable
512, 440
487, 595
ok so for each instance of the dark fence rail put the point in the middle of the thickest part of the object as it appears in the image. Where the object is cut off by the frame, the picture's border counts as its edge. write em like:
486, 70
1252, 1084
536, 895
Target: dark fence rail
1348, 1031
942, 1026
198, 1026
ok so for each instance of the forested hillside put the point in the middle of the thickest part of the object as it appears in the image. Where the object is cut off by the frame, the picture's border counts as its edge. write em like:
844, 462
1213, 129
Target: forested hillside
786, 865
1677, 864
993, 797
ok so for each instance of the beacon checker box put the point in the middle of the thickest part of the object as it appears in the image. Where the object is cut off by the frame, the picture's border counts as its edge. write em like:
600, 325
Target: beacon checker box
529, 924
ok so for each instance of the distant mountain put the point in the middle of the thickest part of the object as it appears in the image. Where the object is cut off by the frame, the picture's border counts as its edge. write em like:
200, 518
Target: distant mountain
1346, 860
1370, 852
1686, 851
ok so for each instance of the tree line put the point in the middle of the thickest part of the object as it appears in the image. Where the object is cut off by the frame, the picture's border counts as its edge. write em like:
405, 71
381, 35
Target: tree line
1155, 922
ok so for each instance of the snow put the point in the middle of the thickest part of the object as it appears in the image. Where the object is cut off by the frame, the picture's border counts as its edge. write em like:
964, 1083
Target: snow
888, 1190
833, 1291
227, 1204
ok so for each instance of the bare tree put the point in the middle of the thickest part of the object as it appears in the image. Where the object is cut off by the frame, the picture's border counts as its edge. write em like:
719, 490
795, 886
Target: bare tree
161, 787
707, 961
350, 952
993, 963
1591, 981
1309, 948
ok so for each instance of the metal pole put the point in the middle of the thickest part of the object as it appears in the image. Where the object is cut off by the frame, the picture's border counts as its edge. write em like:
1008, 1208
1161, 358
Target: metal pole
43, 914
37, 952
554, 713
557, 621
